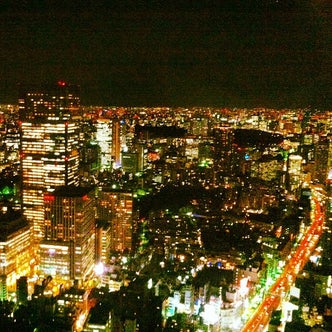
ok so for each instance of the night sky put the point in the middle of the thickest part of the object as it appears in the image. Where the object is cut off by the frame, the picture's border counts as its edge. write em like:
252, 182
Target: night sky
231, 53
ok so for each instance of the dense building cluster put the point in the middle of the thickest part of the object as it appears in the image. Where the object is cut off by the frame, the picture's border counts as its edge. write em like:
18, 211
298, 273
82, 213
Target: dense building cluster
158, 219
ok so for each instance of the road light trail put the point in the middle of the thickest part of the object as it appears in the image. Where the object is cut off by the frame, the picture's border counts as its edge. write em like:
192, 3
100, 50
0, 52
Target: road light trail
261, 317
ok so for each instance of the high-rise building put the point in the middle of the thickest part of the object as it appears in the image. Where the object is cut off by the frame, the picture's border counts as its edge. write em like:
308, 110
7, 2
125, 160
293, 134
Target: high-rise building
323, 158
116, 141
103, 241
116, 207
104, 139
49, 146
67, 251
225, 154
294, 171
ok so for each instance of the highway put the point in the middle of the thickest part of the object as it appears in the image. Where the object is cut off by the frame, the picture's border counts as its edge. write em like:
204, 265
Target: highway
260, 319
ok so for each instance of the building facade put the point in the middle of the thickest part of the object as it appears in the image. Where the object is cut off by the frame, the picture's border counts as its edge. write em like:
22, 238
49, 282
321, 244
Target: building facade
15, 250
116, 207
68, 249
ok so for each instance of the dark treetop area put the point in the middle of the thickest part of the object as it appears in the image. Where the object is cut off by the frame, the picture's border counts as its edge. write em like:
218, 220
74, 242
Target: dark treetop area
239, 53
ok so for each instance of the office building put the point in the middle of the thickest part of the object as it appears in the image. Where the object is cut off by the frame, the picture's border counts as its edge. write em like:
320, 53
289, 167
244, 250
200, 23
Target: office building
323, 158
49, 146
103, 241
15, 252
104, 140
294, 171
67, 251
225, 153
116, 207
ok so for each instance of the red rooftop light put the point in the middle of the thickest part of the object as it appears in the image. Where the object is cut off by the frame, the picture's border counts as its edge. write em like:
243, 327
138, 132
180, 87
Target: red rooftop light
61, 83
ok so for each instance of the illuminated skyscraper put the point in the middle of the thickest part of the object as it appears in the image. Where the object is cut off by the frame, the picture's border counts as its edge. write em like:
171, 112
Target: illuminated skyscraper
104, 140
68, 248
49, 146
294, 171
116, 141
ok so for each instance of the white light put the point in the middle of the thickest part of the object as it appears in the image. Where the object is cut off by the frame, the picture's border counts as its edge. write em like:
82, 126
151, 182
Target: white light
150, 283
99, 269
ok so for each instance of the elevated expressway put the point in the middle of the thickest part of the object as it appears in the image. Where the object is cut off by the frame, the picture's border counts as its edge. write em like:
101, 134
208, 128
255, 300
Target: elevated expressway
260, 319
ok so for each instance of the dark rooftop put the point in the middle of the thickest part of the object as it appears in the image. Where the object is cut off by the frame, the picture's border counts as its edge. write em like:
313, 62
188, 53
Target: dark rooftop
10, 222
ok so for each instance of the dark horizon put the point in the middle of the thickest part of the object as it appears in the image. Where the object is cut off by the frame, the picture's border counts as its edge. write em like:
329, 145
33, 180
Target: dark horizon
129, 53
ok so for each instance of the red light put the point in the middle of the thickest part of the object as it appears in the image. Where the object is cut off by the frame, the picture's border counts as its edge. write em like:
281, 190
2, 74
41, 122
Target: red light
61, 83
49, 198
85, 198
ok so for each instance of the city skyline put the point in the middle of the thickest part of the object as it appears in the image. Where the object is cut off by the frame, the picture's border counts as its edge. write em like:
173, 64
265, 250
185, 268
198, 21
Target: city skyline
220, 222
129, 53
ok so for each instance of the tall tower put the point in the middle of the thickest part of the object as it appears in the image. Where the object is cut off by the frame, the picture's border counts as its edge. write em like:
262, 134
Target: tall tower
48, 146
116, 141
